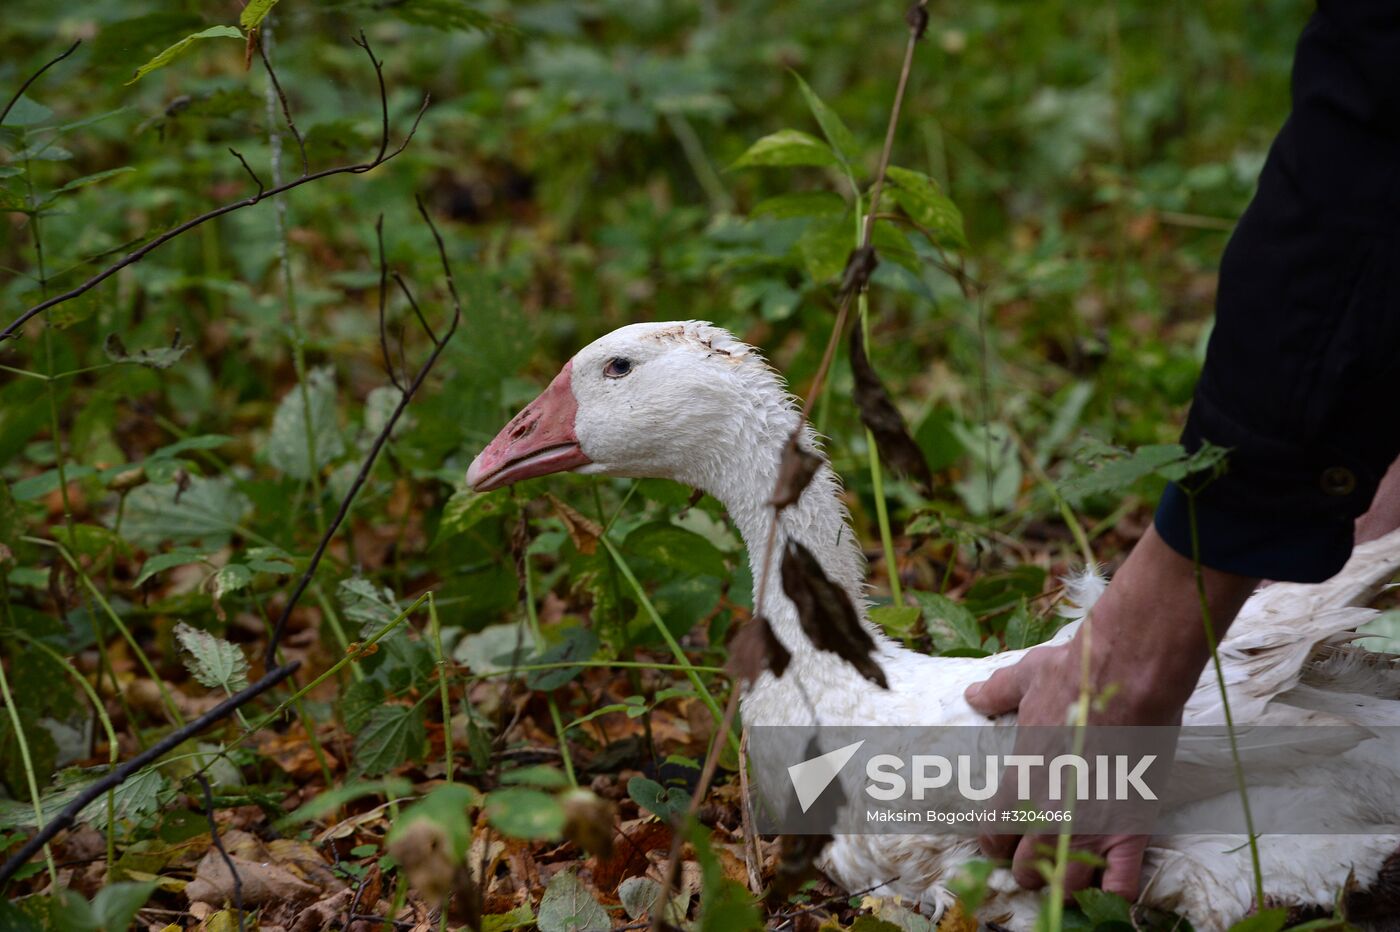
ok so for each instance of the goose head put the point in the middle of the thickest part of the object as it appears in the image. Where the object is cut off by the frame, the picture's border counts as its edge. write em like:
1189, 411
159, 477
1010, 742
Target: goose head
657, 400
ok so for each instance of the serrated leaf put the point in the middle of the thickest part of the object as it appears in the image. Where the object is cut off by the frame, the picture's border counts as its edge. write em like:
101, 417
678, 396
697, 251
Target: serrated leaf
835, 131
525, 813
208, 510
255, 12
787, 147
132, 800
567, 906
180, 556
366, 603
178, 49
921, 199
392, 735
211, 660
949, 624
464, 510
287, 446
1119, 475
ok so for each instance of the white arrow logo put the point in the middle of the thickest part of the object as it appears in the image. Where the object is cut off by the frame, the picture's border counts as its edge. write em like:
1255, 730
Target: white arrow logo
811, 777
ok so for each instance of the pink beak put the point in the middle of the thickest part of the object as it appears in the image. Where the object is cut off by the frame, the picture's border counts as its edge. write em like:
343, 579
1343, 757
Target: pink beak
538, 441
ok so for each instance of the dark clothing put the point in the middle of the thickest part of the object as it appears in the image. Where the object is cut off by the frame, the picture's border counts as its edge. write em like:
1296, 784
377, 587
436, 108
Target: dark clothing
1302, 374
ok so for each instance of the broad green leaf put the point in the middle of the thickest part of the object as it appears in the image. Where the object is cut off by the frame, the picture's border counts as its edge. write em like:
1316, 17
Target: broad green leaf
677, 548
27, 490
287, 444
667, 803
231, 578
970, 883
897, 620
919, 196
639, 896
951, 626
578, 643
522, 917
567, 906
212, 661
1102, 907
1267, 920
358, 700
801, 204
393, 734
825, 246
331, 800
447, 807
115, 905
27, 112
1117, 476
208, 511
835, 131
255, 12
133, 800
542, 776
180, 556
787, 147
525, 813
174, 51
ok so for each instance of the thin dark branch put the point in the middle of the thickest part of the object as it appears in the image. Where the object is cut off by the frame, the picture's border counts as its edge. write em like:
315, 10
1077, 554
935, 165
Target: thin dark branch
35, 76
223, 852
287, 111
403, 286
379, 441
383, 296
141, 253
179, 736
249, 169
363, 43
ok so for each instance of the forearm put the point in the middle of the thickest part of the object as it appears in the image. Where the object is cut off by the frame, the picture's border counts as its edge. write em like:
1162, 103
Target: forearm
1147, 636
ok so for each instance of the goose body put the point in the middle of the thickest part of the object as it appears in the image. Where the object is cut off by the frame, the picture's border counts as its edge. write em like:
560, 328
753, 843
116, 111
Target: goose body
687, 401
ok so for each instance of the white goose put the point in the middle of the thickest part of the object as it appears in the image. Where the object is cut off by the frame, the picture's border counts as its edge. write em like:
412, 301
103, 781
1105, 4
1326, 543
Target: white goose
689, 402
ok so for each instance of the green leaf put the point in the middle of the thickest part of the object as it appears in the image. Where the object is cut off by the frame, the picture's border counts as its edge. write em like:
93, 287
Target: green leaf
212, 661
1266, 920
969, 884
920, 198
537, 775
567, 906
639, 896
27, 112
358, 700
133, 800
255, 12
824, 247
1117, 476
525, 813
158, 357
447, 807
368, 604
115, 905
677, 548
181, 556
465, 509
950, 624
287, 447
801, 204
519, 918
231, 578
787, 147
331, 800
94, 178
208, 510
833, 129
27, 490
897, 620
393, 734
578, 643
667, 803
174, 51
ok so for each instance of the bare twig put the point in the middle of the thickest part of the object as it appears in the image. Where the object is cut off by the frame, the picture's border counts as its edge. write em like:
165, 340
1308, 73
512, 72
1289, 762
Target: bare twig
249, 169
167, 744
383, 296
384, 155
35, 76
858, 268
287, 111
223, 852
383, 437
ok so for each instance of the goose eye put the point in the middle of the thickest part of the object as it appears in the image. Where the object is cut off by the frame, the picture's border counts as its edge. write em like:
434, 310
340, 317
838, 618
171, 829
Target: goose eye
617, 368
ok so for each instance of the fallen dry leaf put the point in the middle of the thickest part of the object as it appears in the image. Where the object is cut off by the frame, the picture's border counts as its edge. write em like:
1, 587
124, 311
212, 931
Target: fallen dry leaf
261, 882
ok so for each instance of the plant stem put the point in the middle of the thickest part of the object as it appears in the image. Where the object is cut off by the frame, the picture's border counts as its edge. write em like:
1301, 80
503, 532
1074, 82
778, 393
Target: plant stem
435, 626
534, 620
28, 762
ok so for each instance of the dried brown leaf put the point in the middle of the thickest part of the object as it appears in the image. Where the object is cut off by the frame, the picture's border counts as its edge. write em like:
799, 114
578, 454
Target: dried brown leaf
262, 883
582, 531
755, 648
795, 472
886, 424
826, 613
